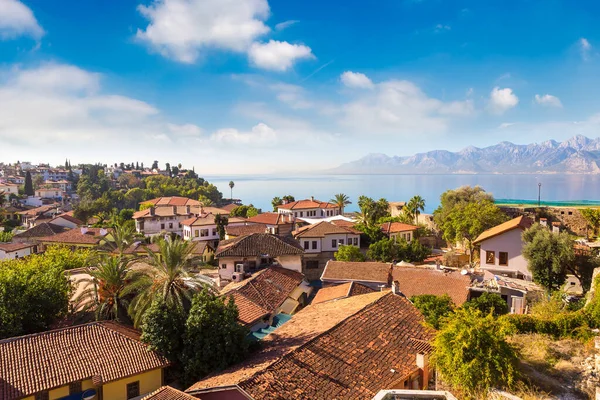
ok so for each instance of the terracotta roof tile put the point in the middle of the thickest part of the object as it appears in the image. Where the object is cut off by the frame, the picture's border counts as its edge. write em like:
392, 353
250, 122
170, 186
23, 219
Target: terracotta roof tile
8, 247
240, 230
41, 230
519, 222
168, 393
257, 244
69, 218
263, 292
418, 281
323, 228
172, 201
271, 219
396, 227
43, 361
357, 271
341, 291
374, 347
92, 236
307, 204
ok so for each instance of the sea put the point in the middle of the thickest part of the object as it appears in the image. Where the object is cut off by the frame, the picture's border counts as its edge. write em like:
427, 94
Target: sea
259, 190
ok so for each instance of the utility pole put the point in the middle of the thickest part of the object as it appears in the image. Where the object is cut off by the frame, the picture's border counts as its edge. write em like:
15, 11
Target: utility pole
539, 194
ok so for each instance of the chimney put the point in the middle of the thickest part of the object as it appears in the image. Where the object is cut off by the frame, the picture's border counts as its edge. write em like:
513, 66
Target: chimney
151, 211
423, 364
396, 288
555, 227
84, 230
312, 198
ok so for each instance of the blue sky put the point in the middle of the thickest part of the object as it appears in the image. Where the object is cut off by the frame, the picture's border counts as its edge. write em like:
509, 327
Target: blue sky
255, 86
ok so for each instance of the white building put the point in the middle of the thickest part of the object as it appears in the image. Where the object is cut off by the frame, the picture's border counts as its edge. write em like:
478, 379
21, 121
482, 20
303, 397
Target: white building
204, 228
49, 193
309, 208
8, 188
11, 251
399, 230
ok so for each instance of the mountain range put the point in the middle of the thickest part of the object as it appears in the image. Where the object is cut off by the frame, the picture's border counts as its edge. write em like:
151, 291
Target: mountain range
577, 155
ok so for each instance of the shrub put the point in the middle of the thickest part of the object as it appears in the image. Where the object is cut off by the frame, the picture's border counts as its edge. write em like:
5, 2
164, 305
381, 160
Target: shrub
562, 325
488, 302
435, 309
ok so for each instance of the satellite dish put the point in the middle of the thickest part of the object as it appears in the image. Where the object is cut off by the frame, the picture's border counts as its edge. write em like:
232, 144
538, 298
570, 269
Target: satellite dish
464, 272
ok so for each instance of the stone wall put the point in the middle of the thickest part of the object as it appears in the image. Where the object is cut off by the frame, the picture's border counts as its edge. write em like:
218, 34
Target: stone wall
570, 218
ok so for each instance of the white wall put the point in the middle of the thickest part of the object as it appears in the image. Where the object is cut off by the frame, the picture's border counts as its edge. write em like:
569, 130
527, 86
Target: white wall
511, 243
408, 236
311, 212
11, 255
292, 262
64, 223
153, 227
325, 244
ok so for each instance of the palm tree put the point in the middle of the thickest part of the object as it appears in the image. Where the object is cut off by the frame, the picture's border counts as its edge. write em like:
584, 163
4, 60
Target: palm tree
341, 200
231, 185
119, 238
109, 288
415, 206
168, 276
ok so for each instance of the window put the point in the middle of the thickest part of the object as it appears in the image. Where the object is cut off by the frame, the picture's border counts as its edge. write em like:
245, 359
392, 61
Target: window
490, 257
196, 232
312, 264
133, 389
223, 266
42, 396
170, 225
214, 232
203, 232
333, 243
162, 226
356, 241
306, 244
301, 213
75, 387
503, 258
341, 242
314, 245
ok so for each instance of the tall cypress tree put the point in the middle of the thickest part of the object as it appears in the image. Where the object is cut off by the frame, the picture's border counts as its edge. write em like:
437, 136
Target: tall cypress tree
28, 184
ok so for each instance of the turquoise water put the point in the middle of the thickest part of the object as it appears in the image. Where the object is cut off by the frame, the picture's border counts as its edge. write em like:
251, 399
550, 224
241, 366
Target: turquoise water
260, 189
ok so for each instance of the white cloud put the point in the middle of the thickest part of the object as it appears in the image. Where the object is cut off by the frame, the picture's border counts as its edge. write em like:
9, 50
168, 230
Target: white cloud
291, 95
505, 125
584, 47
442, 28
548, 100
277, 56
400, 108
16, 19
260, 134
183, 29
185, 130
502, 100
356, 80
284, 25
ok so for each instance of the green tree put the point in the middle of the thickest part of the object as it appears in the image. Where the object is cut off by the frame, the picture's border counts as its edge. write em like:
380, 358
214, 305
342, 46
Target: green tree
415, 206
463, 195
38, 181
168, 276
210, 345
548, 255
349, 253
221, 221
108, 289
435, 309
154, 165
244, 211
288, 198
276, 202
592, 217
231, 185
488, 302
388, 250
472, 354
163, 329
467, 220
119, 238
32, 297
341, 200
28, 184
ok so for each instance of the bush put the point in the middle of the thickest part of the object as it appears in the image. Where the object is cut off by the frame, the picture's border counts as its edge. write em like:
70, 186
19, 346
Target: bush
488, 302
562, 325
435, 309
349, 253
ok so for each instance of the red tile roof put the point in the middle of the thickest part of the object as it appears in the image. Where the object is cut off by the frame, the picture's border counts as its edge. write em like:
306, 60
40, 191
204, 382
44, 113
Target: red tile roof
323, 228
208, 219
257, 244
263, 292
171, 201
341, 291
519, 222
92, 236
168, 393
9, 247
42, 361
240, 230
307, 204
373, 348
41, 230
418, 281
143, 248
271, 219
69, 218
396, 227
357, 271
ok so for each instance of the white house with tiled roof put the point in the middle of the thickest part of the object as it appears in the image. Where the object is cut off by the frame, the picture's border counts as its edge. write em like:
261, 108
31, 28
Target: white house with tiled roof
203, 227
309, 208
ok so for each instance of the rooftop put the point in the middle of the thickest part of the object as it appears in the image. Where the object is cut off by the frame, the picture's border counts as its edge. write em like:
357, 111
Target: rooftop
340, 292
357, 271
40, 230
83, 236
519, 222
240, 230
336, 350
270, 218
8, 247
51, 359
171, 201
418, 281
258, 244
323, 228
307, 204
168, 393
396, 227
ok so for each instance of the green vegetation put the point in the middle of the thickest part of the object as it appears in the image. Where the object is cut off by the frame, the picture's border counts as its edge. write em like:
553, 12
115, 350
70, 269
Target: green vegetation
33, 295
341, 200
592, 217
349, 253
414, 207
488, 303
277, 201
163, 329
5, 236
472, 354
388, 250
244, 211
435, 309
221, 221
28, 185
